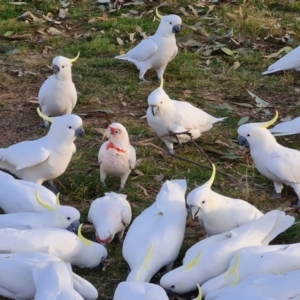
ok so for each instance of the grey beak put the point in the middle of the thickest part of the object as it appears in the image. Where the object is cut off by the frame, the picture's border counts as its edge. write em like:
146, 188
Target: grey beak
55, 69
243, 141
194, 211
101, 265
79, 132
154, 109
73, 227
176, 28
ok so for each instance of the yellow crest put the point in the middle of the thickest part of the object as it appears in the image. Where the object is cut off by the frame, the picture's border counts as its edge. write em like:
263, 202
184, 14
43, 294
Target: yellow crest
82, 238
271, 122
42, 203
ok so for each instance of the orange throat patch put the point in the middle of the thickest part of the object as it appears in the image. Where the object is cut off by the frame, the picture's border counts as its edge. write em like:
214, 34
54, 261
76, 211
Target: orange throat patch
110, 145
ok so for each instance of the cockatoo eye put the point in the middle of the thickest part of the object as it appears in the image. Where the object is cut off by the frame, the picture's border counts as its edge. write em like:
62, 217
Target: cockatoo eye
203, 202
68, 218
117, 131
161, 102
70, 127
63, 66
170, 23
172, 286
248, 134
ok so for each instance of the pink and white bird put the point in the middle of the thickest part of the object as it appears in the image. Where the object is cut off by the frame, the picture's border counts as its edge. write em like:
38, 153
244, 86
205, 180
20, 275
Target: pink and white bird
116, 156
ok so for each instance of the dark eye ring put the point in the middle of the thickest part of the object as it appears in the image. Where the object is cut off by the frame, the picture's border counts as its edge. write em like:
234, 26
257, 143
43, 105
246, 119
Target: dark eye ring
117, 131
203, 201
170, 23
70, 127
63, 66
172, 286
161, 102
248, 134
68, 218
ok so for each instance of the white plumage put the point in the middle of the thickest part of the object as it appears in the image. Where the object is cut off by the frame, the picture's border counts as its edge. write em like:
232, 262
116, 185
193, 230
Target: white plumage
156, 51
276, 162
218, 213
275, 259
110, 215
45, 158
116, 156
210, 257
57, 96
166, 116
139, 291
290, 61
71, 248
18, 272
286, 128
155, 236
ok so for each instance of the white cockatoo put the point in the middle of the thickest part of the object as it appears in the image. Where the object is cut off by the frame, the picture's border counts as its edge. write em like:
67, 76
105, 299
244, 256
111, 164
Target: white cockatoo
155, 237
290, 61
210, 257
54, 280
279, 287
110, 216
130, 290
156, 51
17, 271
116, 156
286, 128
243, 296
218, 213
58, 96
56, 216
19, 195
276, 162
166, 116
71, 248
275, 259
45, 158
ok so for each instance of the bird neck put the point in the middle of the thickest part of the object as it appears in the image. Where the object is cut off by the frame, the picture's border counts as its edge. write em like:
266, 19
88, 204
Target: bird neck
162, 32
65, 74
119, 146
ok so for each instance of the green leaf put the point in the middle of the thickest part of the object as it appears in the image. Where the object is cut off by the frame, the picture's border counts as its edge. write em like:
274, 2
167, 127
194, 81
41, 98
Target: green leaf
8, 33
244, 104
227, 51
243, 120
259, 102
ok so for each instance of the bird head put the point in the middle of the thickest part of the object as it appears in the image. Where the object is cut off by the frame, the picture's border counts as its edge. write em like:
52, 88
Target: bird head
117, 135
199, 200
182, 279
158, 101
104, 237
65, 217
62, 65
256, 133
66, 127
169, 25
92, 255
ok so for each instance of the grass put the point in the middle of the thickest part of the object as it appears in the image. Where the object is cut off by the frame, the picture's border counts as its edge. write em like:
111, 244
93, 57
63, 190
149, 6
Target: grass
206, 79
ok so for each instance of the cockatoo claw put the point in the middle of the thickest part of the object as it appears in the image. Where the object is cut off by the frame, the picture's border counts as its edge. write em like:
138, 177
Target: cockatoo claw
275, 195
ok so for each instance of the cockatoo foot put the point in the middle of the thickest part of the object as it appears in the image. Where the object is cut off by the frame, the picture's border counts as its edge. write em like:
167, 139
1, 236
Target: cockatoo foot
171, 151
121, 189
275, 195
104, 185
51, 186
45, 124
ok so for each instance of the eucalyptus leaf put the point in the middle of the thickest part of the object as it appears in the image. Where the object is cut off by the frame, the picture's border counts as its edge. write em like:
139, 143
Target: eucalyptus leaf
243, 120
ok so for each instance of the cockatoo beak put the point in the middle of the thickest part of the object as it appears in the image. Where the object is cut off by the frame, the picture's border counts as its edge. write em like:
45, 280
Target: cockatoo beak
154, 109
242, 141
73, 227
194, 211
79, 131
55, 69
176, 28
106, 134
103, 242
101, 265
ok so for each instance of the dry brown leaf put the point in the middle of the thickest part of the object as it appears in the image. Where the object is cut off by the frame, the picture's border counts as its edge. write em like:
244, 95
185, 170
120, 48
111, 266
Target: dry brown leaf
120, 41
138, 172
232, 16
159, 177
62, 13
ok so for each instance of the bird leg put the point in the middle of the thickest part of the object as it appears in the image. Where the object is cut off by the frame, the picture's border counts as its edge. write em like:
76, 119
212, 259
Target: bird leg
51, 186
119, 236
277, 190
169, 267
45, 124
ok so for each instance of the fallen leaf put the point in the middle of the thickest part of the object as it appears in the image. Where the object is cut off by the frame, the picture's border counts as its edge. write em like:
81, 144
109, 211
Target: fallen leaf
227, 51
120, 41
159, 177
8, 33
138, 172
236, 65
17, 3
276, 54
243, 104
232, 16
63, 13
131, 37
259, 102
243, 120
13, 52
54, 31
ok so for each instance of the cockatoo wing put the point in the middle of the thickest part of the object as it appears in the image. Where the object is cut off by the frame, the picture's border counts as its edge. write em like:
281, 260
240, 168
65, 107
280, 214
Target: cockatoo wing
142, 52
126, 213
287, 62
285, 165
286, 128
25, 154
132, 160
102, 152
174, 54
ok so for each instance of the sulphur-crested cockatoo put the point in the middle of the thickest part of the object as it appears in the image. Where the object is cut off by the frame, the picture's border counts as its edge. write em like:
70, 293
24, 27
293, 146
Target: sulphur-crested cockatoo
58, 96
275, 259
110, 216
71, 248
54, 280
156, 51
286, 128
211, 256
56, 216
155, 236
19, 195
279, 287
20, 267
45, 158
166, 116
116, 156
290, 61
276, 162
139, 291
218, 213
